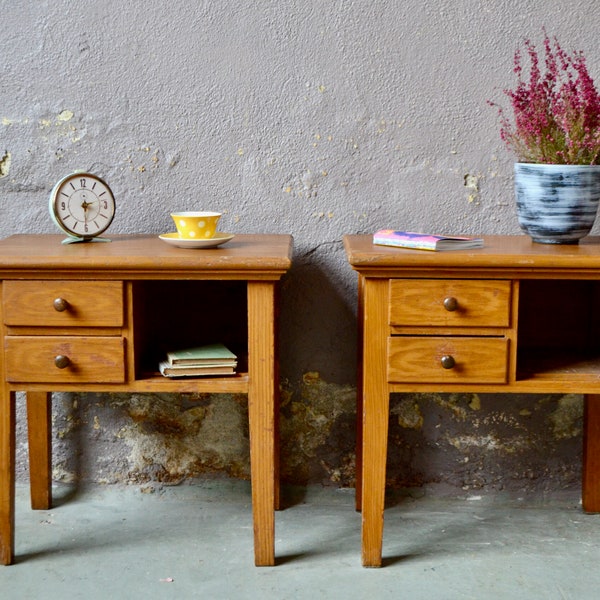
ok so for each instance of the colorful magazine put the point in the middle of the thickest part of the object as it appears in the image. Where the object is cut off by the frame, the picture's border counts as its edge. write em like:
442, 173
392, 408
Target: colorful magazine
424, 241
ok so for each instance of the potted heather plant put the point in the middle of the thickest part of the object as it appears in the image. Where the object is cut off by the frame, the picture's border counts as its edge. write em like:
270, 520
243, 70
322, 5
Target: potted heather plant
555, 135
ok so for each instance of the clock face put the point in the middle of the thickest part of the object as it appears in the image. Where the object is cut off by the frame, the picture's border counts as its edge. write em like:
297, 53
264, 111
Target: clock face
82, 205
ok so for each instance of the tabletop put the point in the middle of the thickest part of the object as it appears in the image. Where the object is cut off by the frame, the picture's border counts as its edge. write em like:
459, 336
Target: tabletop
259, 255
513, 252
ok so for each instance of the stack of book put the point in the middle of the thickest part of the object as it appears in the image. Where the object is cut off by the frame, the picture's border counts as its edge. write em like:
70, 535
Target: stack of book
214, 359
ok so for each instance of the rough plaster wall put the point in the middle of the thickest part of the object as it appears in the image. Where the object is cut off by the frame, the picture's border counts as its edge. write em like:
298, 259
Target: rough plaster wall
312, 118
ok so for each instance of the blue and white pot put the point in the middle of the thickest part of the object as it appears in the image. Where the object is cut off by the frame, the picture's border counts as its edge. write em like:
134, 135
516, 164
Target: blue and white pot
557, 204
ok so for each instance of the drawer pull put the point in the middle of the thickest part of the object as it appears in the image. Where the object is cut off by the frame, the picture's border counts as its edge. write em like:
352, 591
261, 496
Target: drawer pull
61, 361
450, 303
60, 305
448, 361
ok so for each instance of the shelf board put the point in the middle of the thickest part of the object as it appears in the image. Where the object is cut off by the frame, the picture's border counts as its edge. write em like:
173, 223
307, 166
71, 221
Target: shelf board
155, 382
150, 383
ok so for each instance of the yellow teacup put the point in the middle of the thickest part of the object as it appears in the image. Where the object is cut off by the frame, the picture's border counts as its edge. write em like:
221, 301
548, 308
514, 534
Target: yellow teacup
196, 225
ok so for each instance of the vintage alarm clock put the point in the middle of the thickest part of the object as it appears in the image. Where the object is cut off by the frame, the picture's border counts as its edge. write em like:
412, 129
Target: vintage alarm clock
83, 206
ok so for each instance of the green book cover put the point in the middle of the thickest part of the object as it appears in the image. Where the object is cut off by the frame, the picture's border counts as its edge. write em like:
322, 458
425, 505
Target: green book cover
211, 353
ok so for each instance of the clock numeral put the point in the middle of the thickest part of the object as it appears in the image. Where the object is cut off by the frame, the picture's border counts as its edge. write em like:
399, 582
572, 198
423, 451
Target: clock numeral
82, 182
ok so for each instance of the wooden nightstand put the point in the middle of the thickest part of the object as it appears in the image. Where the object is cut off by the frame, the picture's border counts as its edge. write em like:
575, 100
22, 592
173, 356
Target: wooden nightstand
99, 316
513, 316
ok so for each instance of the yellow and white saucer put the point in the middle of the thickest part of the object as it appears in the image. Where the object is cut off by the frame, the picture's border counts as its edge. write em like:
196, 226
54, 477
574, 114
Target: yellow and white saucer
174, 240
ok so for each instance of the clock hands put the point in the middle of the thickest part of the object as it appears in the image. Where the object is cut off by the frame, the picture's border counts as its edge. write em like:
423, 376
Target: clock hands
85, 205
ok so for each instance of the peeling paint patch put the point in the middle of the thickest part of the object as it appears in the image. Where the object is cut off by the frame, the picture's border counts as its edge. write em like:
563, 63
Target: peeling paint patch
65, 115
155, 159
306, 184
488, 442
5, 164
408, 413
309, 183
453, 403
567, 419
318, 425
475, 403
472, 184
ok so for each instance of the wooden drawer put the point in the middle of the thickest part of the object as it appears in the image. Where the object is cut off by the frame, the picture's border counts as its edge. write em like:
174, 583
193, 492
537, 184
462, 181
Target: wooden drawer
449, 303
86, 303
419, 359
92, 359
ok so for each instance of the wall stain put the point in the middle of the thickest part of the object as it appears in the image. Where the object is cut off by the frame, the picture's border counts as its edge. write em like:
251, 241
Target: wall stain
468, 441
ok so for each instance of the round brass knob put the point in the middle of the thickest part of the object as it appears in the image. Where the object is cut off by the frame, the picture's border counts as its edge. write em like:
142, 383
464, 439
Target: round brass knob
60, 304
448, 361
450, 303
61, 361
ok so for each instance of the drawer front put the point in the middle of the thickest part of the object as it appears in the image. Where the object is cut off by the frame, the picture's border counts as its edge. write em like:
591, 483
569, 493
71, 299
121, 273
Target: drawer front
419, 359
449, 303
85, 303
96, 359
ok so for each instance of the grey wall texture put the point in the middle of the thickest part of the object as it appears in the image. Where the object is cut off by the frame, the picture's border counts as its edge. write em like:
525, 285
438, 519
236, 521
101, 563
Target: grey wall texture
315, 118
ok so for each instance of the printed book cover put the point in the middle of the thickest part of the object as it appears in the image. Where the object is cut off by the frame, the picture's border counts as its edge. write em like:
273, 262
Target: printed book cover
424, 241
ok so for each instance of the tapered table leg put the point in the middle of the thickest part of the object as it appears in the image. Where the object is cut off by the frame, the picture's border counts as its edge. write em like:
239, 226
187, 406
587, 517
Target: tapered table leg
7, 475
359, 400
40, 449
375, 419
262, 414
591, 454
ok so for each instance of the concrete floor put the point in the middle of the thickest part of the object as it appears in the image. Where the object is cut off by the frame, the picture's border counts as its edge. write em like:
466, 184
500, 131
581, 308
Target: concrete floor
195, 541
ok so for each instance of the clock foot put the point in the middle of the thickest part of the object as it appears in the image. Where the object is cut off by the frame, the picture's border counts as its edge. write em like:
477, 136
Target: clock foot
75, 240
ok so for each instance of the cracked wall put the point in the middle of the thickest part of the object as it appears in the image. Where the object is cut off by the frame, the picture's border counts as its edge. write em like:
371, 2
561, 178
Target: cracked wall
313, 119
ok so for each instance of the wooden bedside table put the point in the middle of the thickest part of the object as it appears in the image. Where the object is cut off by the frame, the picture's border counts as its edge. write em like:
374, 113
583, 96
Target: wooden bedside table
513, 316
97, 317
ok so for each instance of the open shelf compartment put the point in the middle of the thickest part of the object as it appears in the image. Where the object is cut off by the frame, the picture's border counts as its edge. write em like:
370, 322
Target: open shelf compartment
558, 330
174, 315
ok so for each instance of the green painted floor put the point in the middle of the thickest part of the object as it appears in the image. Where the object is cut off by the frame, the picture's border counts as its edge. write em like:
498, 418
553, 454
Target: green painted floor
195, 541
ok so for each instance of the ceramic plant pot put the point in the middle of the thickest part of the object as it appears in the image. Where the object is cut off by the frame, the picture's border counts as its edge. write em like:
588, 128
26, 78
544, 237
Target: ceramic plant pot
557, 204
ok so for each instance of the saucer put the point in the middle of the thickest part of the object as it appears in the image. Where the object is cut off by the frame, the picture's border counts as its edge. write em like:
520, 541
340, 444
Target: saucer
174, 239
